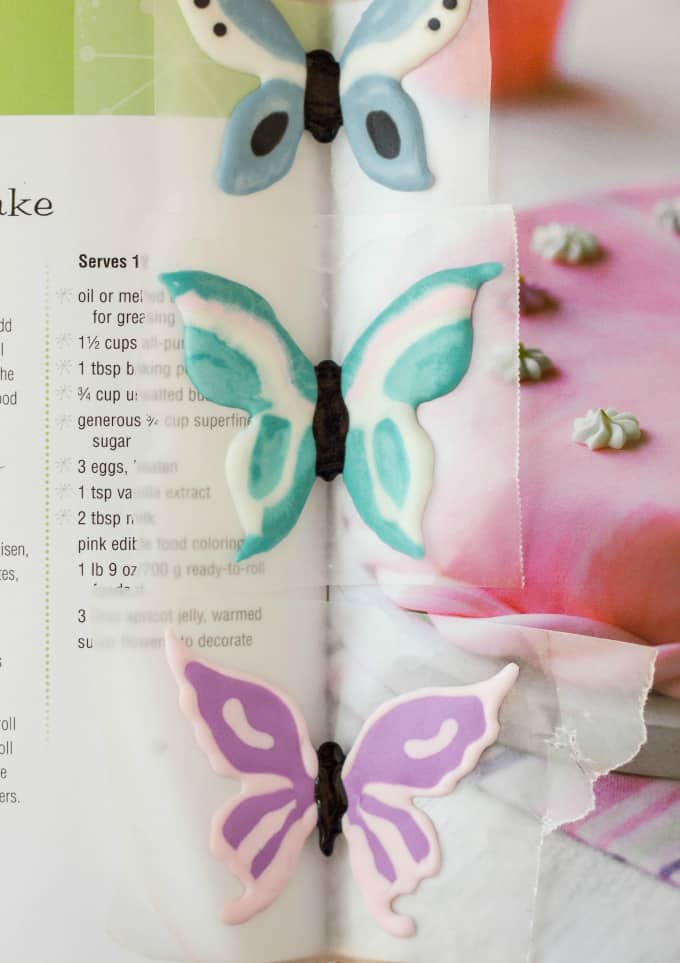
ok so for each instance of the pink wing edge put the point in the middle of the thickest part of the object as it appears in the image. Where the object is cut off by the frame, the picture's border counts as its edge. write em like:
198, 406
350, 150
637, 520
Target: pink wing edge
377, 892
257, 894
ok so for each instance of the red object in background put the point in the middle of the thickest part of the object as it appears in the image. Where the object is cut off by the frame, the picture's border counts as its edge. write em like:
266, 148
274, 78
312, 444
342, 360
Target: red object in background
523, 38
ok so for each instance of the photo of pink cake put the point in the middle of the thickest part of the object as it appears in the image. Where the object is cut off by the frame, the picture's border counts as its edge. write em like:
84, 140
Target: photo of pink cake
600, 524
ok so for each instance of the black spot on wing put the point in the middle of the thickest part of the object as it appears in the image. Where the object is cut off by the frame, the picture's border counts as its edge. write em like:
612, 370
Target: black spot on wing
384, 134
269, 133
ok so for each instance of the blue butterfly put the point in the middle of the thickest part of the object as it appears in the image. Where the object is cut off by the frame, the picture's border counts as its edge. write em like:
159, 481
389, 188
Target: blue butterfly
301, 91
358, 419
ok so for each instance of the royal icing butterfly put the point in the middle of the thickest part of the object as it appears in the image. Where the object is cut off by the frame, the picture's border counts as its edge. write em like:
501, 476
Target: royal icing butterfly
358, 419
313, 91
419, 745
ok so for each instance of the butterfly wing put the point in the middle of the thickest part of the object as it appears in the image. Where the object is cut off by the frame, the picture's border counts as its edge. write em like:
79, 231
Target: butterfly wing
262, 138
237, 354
264, 132
252, 733
417, 350
382, 121
421, 744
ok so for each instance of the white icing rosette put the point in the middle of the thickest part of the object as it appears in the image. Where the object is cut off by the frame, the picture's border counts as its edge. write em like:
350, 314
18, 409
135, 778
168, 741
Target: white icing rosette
566, 243
511, 360
533, 364
606, 428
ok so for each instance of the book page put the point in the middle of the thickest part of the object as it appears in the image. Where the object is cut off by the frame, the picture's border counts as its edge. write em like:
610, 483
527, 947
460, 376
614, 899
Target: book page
118, 524
120, 521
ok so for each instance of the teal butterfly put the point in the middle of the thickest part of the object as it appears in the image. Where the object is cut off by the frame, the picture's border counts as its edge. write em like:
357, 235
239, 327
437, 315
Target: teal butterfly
305, 421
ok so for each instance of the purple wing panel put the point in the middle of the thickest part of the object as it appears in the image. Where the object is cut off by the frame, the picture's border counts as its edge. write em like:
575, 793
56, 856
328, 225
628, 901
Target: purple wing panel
421, 744
255, 734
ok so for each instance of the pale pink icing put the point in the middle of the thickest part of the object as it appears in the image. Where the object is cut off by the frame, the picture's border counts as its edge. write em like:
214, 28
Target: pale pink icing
259, 893
378, 891
601, 530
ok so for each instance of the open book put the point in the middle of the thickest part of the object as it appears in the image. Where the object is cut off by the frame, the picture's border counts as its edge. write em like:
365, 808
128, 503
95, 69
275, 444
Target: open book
243, 401
106, 429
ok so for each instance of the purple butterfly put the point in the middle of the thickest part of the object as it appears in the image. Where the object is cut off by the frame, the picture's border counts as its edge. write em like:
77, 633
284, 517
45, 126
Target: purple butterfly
418, 745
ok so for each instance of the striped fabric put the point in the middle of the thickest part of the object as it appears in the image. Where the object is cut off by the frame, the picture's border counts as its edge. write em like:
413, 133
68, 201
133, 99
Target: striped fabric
636, 820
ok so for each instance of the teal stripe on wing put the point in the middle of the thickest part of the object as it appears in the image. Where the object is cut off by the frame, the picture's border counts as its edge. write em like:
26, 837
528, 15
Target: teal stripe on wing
278, 520
391, 460
269, 455
433, 366
359, 484
212, 287
222, 374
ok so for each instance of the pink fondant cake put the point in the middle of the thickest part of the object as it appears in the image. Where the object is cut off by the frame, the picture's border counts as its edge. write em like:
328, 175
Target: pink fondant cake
601, 528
